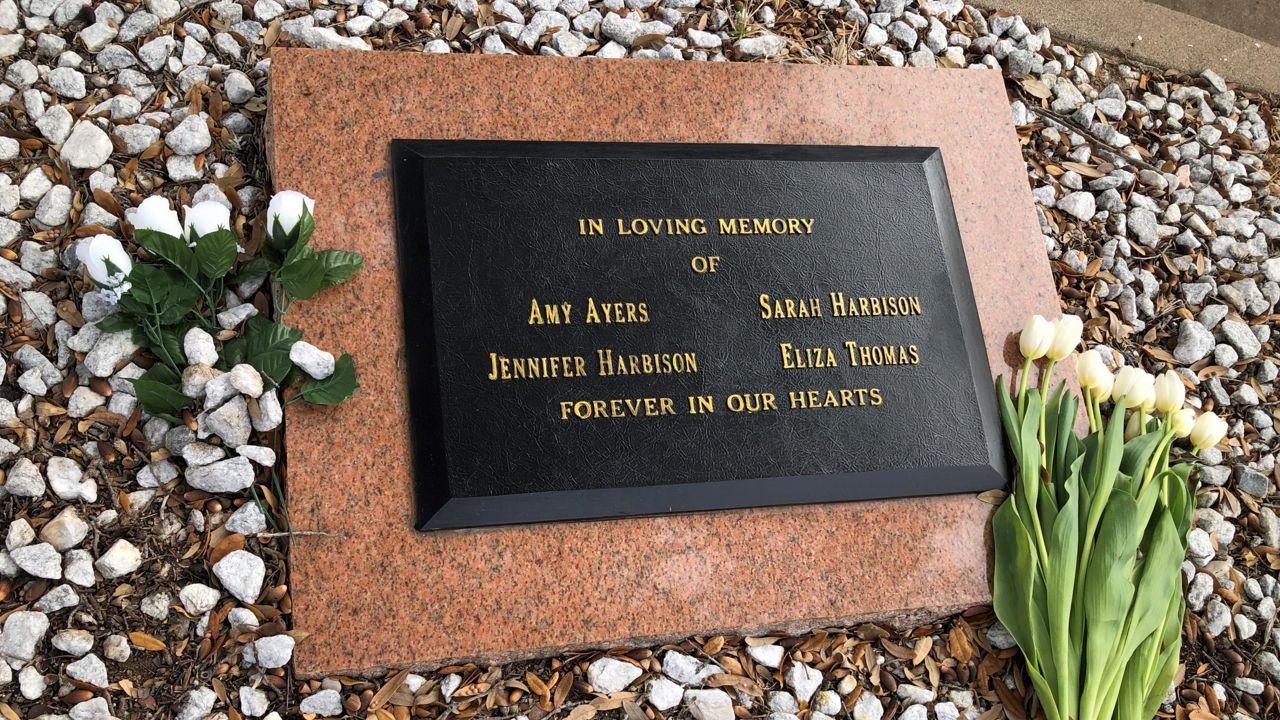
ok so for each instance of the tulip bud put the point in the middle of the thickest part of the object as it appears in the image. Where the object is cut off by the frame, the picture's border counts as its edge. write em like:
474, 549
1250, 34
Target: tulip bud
106, 261
1208, 430
1181, 422
206, 217
286, 206
1133, 427
1066, 336
1169, 392
154, 214
1136, 386
1037, 336
1091, 372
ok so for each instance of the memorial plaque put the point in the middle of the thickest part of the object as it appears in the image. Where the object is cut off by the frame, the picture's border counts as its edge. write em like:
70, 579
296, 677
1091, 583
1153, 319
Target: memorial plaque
607, 329
881, 228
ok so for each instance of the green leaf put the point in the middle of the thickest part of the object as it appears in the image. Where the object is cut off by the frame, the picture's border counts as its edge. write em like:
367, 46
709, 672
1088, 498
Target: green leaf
117, 322
216, 252
170, 249
334, 389
303, 277
157, 393
266, 347
152, 285
252, 271
339, 266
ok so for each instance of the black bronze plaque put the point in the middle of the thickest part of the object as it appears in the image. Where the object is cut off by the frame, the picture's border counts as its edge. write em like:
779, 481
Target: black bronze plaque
600, 330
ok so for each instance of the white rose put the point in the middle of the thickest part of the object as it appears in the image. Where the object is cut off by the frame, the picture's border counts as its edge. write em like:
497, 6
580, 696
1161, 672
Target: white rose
286, 206
155, 214
206, 217
106, 261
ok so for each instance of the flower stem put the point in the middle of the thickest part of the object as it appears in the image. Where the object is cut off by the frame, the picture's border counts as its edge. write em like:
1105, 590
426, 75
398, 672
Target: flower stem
1022, 387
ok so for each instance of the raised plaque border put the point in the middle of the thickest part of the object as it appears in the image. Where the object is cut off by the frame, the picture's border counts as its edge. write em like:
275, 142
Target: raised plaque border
438, 509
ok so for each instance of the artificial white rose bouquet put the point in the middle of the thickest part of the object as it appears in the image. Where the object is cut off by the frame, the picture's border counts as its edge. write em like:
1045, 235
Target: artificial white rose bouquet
1089, 545
195, 266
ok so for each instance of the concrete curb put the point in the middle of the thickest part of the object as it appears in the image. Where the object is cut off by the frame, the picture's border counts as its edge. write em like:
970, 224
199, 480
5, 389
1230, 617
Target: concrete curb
1154, 35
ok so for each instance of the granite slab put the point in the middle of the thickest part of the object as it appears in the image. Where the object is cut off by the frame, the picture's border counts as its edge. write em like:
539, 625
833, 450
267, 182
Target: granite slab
380, 594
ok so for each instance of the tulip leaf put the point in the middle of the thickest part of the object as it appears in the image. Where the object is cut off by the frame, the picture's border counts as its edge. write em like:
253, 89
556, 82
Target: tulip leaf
337, 387
216, 252
170, 249
339, 266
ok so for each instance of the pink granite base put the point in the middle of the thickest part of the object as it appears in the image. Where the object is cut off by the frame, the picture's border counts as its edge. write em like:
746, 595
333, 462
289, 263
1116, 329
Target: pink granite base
384, 595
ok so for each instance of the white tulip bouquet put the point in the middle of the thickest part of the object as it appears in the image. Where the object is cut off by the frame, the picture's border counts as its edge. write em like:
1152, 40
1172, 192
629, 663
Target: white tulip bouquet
1089, 545
192, 267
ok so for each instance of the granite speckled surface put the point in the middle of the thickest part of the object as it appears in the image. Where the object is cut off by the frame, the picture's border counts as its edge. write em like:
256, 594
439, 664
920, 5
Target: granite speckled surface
384, 595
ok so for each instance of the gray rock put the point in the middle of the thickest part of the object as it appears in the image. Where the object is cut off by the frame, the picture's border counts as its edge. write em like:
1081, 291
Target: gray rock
40, 560
116, 648
77, 567
1252, 481
89, 669
1195, 342
228, 476
230, 422
248, 520
1241, 337
326, 703
190, 137
88, 146
73, 642
111, 350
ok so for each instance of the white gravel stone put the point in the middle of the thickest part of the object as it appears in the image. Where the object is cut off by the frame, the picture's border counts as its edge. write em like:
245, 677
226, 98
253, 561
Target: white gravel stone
826, 702
253, 702
230, 422
23, 630
326, 703
59, 598
74, 642
20, 534
270, 414
55, 124
198, 598
274, 651
24, 479
111, 350
228, 476
199, 348
803, 680
868, 707
247, 520
709, 704
610, 675
156, 605
31, 683
264, 456
198, 703
189, 137
766, 45
915, 694
65, 531
77, 567
769, 656
312, 360
119, 560
116, 648
664, 694
40, 560
67, 480
89, 669
241, 573
83, 402
87, 147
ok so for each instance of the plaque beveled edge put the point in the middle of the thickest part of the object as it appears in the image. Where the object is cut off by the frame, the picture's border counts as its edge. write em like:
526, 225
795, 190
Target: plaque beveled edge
437, 509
